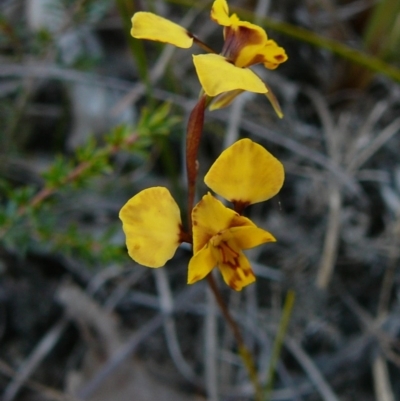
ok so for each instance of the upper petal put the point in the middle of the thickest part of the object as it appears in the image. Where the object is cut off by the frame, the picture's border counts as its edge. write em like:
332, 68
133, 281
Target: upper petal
200, 265
150, 26
246, 173
220, 13
217, 75
152, 225
240, 276
209, 217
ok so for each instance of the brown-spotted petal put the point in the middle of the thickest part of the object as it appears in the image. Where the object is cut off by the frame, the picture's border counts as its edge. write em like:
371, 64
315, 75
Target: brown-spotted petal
239, 276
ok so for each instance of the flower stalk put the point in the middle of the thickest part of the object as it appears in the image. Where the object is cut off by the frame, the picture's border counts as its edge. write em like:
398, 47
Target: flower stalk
193, 136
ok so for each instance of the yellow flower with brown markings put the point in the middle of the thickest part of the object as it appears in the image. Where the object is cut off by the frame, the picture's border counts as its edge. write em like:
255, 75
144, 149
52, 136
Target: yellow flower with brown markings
225, 75
219, 236
244, 174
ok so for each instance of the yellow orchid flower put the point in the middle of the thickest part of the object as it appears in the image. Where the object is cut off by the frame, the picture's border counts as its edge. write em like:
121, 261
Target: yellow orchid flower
245, 173
219, 235
225, 75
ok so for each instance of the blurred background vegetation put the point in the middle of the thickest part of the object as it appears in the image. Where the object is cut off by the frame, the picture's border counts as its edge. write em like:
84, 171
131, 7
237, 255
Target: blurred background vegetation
90, 116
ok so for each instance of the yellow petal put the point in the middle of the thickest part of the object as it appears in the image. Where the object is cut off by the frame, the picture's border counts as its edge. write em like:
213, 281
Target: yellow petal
217, 75
220, 13
273, 55
245, 173
152, 225
225, 99
250, 237
150, 26
209, 217
239, 276
200, 265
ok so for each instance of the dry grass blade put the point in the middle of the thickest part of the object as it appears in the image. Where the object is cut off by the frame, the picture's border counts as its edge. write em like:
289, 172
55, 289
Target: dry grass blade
309, 154
32, 362
233, 126
388, 343
130, 346
385, 135
44, 391
383, 391
166, 303
390, 274
211, 348
332, 234
312, 371
81, 308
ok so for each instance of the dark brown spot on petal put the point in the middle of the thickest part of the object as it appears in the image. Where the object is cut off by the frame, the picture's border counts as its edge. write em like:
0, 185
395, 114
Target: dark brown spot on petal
239, 205
237, 38
229, 256
233, 285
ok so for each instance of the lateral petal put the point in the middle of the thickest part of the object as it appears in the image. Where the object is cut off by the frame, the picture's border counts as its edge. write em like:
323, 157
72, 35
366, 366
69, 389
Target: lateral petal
200, 265
249, 237
246, 173
152, 224
217, 75
150, 26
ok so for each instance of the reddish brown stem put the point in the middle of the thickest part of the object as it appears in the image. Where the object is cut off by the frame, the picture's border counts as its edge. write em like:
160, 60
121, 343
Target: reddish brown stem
239, 206
202, 44
227, 315
193, 135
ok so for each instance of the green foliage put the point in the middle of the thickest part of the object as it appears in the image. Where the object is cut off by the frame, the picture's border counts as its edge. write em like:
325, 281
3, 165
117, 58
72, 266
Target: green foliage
42, 40
32, 219
158, 122
57, 172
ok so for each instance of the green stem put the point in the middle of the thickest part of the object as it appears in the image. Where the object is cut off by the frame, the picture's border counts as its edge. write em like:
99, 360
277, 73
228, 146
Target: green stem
283, 325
